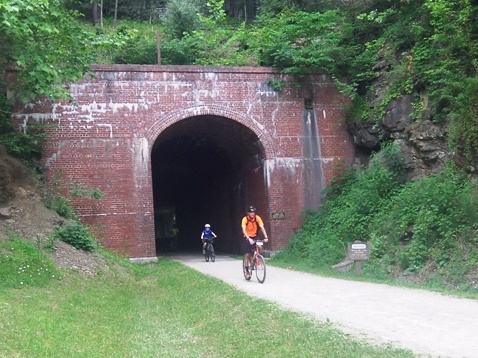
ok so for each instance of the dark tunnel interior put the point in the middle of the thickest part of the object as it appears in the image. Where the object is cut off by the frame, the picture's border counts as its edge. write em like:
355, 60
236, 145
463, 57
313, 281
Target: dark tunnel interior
200, 170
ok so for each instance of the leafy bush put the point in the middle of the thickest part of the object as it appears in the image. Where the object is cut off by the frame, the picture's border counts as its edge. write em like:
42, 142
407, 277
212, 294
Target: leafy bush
26, 145
55, 200
423, 222
177, 52
426, 229
346, 216
47, 46
181, 17
138, 52
21, 264
77, 235
61, 205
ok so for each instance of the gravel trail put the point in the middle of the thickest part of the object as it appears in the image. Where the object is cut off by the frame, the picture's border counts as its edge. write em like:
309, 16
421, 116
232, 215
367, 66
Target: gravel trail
427, 323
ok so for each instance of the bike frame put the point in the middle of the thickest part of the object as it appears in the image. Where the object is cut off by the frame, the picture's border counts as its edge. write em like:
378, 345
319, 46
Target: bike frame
257, 258
210, 250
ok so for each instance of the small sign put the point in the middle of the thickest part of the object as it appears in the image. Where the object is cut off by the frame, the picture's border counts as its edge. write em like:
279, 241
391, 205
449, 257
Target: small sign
360, 246
277, 216
358, 251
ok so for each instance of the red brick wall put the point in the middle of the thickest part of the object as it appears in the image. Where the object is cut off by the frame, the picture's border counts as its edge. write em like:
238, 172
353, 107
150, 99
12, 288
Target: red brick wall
103, 139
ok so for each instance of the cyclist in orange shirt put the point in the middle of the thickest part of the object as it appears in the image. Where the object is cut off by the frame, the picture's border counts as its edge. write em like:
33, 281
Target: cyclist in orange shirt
250, 225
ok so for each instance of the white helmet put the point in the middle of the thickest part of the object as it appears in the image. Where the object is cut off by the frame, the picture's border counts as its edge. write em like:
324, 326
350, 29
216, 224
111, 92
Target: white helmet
207, 225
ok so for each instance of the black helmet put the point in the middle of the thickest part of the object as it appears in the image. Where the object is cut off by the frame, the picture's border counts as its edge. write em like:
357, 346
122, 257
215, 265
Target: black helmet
251, 209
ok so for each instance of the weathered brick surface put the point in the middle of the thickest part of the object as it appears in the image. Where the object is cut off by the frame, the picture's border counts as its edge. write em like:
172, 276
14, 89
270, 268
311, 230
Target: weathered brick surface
105, 137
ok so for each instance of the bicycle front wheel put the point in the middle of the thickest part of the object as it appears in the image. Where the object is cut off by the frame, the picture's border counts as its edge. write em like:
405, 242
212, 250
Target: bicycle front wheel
260, 268
211, 253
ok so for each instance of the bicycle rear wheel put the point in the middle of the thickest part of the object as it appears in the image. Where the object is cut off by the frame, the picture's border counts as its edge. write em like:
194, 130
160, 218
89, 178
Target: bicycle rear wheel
211, 253
247, 275
260, 268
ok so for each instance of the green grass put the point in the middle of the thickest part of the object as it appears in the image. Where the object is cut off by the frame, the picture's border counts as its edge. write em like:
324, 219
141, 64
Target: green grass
21, 264
160, 310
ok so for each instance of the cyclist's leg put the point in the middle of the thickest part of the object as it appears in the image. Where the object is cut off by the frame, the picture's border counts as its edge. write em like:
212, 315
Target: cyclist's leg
246, 261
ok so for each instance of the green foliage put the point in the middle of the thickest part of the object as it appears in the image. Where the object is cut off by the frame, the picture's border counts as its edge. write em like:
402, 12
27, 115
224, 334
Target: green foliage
72, 232
119, 44
25, 145
351, 206
463, 129
422, 223
176, 52
181, 17
216, 11
78, 190
28, 28
55, 199
77, 235
138, 52
213, 42
216, 46
424, 229
277, 85
61, 205
22, 265
300, 42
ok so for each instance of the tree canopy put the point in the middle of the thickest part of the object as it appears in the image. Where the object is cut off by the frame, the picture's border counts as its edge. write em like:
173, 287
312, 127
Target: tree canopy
45, 43
425, 48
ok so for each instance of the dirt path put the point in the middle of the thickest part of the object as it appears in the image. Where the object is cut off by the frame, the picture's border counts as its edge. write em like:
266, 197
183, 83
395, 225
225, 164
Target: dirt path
429, 324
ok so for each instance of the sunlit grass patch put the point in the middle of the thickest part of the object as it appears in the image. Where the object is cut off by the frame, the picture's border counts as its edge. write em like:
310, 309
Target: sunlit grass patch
21, 264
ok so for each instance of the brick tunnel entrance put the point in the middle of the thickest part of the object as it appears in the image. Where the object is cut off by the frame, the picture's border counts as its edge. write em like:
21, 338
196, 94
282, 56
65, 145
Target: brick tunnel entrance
204, 170
191, 145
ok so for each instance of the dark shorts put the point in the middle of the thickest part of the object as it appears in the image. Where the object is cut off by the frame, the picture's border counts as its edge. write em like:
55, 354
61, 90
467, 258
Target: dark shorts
246, 246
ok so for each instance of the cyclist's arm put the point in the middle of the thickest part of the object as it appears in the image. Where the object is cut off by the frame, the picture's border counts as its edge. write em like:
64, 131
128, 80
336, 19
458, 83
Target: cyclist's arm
260, 222
266, 238
245, 234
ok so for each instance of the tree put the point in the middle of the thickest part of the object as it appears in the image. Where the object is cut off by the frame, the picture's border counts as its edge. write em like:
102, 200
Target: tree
46, 45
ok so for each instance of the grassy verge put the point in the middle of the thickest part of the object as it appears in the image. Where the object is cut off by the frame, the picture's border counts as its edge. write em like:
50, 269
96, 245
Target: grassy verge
160, 310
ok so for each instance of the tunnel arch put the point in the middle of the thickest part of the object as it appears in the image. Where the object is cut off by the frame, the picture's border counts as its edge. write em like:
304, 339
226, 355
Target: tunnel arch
205, 168
215, 110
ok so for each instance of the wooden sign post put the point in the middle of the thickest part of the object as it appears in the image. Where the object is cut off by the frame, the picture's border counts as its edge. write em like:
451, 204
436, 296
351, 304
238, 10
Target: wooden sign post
358, 251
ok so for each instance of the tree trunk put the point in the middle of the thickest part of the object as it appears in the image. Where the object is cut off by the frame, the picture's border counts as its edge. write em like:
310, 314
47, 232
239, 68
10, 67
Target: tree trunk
101, 14
116, 13
158, 46
95, 8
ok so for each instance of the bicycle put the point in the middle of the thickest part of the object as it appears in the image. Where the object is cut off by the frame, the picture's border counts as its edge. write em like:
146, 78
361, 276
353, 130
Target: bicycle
257, 264
209, 252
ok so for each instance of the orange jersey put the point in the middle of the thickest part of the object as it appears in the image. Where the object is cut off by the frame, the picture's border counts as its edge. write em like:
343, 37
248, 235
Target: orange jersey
252, 226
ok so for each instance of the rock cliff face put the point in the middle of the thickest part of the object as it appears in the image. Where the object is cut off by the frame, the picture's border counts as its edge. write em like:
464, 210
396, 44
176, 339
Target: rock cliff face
22, 211
424, 143
14, 177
